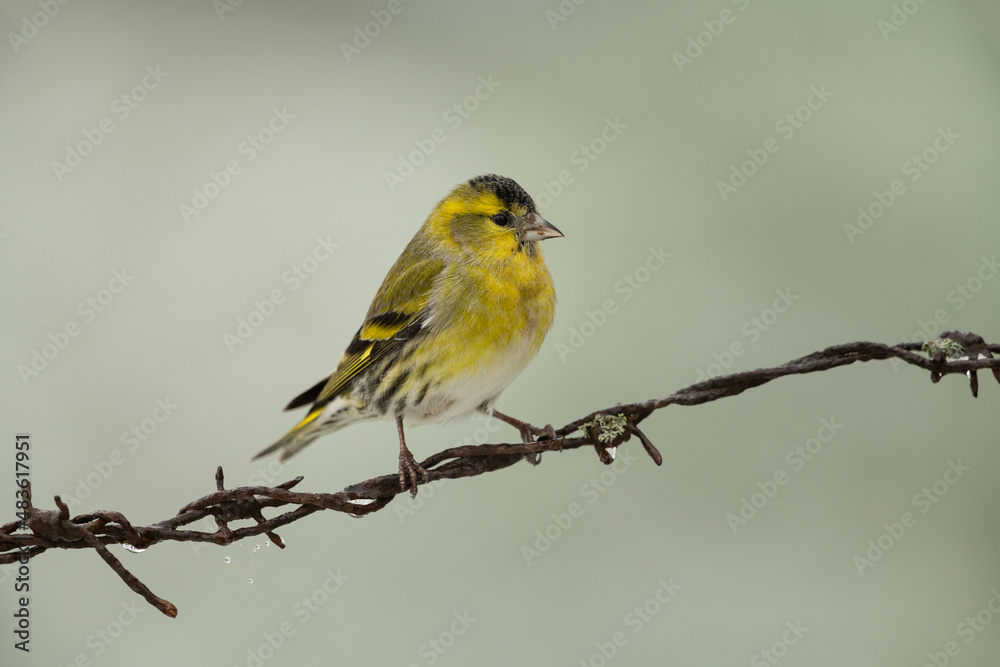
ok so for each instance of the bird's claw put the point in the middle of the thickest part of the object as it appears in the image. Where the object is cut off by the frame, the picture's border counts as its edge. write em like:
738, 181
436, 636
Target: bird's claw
409, 472
534, 434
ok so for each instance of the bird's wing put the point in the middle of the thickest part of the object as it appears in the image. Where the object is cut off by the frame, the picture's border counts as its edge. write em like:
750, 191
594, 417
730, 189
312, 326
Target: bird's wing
398, 312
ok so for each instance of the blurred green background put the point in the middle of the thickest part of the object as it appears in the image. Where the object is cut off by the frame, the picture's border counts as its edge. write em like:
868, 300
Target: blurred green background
740, 138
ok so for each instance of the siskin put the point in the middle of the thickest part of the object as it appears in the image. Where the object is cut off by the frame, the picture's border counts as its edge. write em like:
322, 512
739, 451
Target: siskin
459, 316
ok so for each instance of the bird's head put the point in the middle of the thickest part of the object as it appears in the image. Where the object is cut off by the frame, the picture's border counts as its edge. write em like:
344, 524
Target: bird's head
491, 217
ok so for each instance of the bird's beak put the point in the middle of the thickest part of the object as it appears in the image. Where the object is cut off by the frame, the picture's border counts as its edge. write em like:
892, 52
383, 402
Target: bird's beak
539, 229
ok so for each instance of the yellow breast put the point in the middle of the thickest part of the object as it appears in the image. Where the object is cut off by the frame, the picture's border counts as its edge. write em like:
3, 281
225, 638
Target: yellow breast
488, 324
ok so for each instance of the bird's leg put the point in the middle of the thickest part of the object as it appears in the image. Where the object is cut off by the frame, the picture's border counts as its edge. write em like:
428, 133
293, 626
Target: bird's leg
409, 469
528, 432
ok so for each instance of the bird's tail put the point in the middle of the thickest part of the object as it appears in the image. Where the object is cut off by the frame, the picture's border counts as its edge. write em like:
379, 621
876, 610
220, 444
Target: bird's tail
320, 421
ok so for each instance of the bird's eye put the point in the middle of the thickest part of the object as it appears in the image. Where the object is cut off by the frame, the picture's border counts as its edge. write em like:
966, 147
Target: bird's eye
501, 219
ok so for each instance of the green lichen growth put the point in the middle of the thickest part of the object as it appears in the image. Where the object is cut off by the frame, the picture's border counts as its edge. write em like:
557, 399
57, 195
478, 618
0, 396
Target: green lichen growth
950, 348
606, 428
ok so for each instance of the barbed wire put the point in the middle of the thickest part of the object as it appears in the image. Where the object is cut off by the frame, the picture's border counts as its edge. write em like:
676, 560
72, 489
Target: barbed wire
605, 430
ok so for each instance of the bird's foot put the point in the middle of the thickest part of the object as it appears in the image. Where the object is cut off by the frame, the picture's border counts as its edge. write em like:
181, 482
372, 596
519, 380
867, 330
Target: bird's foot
410, 471
534, 434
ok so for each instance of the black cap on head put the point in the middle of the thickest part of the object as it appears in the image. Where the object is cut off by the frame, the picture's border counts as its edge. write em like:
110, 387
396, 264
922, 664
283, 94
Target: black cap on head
506, 190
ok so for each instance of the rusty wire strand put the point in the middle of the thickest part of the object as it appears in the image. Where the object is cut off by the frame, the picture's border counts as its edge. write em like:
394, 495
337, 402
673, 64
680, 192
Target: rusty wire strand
54, 529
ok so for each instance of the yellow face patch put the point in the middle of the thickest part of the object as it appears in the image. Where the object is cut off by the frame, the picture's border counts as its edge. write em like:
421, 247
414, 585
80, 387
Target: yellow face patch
476, 202
463, 223
482, 203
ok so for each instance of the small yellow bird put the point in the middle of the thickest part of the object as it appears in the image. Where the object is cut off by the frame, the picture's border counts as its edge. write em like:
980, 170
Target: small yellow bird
459, 316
